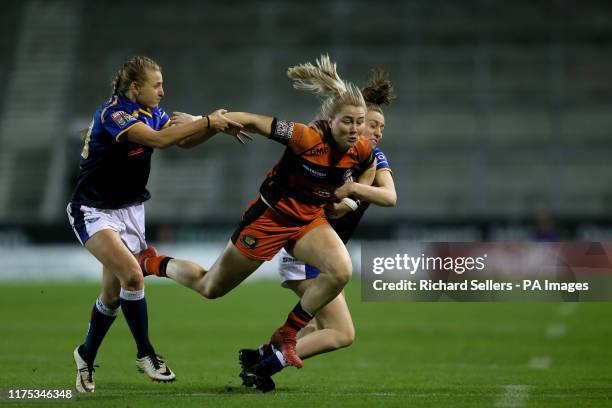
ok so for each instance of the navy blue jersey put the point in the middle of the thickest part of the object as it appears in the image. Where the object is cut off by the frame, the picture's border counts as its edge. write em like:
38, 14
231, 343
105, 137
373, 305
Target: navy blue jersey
346, 226
113, 171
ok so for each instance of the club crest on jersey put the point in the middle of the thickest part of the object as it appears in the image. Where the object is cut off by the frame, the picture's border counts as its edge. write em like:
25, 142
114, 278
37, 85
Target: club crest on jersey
249, 241
121, 118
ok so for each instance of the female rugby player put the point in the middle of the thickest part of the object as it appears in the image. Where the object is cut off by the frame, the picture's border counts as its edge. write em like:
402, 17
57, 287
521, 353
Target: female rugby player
106, 208
334, 326
290, 210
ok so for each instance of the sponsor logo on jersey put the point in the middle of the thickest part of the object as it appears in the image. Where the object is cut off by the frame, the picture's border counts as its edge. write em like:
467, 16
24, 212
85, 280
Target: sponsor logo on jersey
121, 118
313, 172
134, 152
318, 151
249, 241
92, 220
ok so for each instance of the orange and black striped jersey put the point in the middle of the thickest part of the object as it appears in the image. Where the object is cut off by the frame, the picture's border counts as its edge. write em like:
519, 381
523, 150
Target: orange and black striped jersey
303, 182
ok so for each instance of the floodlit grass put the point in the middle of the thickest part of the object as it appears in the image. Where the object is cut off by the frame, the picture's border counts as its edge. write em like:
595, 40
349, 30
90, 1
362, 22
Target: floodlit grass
405, 354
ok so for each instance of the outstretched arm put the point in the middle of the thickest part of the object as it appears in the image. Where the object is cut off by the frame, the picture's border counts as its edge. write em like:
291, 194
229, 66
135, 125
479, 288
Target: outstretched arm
253, 122
180, 118
160, 139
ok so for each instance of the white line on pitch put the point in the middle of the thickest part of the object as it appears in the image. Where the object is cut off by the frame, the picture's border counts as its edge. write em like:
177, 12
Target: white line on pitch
539, 362
555, 330
513, 396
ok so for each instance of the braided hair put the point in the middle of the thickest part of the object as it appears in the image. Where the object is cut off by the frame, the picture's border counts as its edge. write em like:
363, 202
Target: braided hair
133, 70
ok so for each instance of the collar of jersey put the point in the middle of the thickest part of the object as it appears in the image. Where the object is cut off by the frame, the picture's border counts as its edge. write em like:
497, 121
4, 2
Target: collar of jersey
132, 107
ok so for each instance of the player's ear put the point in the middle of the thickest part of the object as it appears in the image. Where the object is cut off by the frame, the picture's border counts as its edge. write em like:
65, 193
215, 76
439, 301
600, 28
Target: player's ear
134, 88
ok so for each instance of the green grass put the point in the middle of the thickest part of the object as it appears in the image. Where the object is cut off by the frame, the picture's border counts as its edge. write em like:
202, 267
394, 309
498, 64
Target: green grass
405, 354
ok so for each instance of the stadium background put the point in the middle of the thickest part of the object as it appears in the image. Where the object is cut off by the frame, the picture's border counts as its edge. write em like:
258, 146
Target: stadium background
501, 129
502, 116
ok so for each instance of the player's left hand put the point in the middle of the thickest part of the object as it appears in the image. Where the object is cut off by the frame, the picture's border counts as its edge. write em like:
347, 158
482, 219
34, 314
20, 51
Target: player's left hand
181, 118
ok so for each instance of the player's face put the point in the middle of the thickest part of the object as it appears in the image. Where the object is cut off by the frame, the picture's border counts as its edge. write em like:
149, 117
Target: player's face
347, 125
374, 126
151, 91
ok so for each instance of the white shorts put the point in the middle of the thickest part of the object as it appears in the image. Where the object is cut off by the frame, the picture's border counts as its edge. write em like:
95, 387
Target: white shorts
128, 222
291, 269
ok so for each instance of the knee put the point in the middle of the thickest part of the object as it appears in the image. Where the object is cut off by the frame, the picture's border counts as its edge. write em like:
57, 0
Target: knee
133, 281
211, 291
345, 337
341, 272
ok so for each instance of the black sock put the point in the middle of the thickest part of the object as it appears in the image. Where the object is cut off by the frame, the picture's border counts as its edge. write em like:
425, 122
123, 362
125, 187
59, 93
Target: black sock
102, 317
134, 306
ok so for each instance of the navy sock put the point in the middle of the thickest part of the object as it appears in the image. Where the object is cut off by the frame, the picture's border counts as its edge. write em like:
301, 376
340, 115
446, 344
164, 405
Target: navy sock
102, 317
269, 365
134, 307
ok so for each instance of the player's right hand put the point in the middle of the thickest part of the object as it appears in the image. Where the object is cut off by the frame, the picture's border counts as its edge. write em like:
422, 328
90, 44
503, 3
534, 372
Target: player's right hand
222, 123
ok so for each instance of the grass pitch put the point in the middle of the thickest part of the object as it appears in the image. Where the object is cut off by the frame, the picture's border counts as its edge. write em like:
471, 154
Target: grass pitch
405, 354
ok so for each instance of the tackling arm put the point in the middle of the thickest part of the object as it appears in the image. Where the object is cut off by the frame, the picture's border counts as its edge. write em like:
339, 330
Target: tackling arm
200, 130
253, 122
382, 193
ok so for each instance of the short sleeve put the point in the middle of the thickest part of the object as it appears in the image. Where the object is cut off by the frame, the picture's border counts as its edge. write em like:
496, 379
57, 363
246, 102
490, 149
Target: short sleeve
117, 121
381, 160
164, 119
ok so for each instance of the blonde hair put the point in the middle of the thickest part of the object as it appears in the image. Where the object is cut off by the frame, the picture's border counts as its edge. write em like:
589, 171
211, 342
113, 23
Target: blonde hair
378, 91
323, 79
133, 70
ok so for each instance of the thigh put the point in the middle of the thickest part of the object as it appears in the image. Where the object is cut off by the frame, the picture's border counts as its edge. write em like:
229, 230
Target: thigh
322, 248
106, 245
231, 268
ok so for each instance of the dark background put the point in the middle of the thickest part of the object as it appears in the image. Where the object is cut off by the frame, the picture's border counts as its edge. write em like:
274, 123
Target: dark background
501, 127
